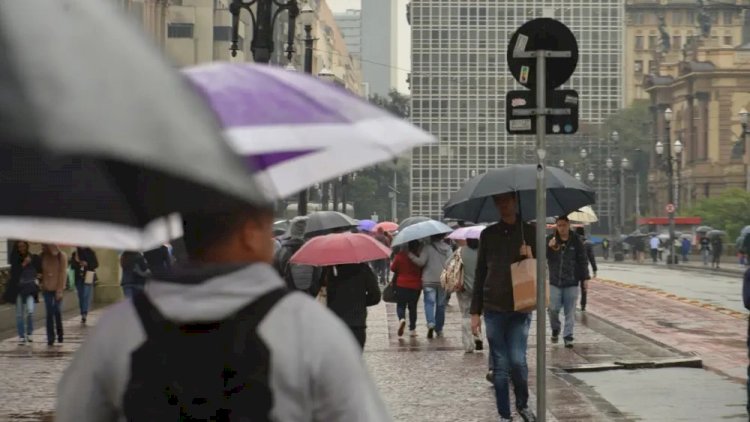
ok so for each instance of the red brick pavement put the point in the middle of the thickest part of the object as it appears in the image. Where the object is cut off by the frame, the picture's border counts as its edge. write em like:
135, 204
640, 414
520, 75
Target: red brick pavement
717, 335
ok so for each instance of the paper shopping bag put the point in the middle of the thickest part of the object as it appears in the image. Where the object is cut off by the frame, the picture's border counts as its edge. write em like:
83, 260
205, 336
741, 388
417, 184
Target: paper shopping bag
523, 276
88, 277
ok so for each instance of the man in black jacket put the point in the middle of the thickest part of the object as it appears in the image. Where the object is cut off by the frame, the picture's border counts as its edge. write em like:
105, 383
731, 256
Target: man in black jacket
305, 278
588, 246
566, 259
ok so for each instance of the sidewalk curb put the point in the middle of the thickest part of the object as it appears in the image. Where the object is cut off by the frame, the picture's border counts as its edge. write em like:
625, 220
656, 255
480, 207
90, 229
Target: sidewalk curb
631, 365
659, 292
678, 267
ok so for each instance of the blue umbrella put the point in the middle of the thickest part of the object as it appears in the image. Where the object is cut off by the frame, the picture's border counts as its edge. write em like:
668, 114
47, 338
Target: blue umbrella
421, 230
366, 225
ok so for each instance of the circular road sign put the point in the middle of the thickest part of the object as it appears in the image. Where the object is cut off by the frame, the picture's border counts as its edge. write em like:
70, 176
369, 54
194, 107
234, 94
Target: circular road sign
669, 208
543, 34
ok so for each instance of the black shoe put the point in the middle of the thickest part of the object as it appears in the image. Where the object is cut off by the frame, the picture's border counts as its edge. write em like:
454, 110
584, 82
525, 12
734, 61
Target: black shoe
430, 332
50, 343
527, 415
478, 345
555, 336
60, 340
568, 342
490, 377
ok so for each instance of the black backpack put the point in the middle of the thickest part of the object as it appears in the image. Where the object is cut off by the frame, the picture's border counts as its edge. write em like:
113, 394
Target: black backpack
201, 372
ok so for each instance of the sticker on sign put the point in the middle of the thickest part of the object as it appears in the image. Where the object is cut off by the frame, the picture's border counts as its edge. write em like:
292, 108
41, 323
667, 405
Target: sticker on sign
524, 77
521, 43
519, 124
518, 102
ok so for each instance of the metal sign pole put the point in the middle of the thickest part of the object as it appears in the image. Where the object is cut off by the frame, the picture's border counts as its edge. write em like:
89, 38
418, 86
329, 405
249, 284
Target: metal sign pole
541, 224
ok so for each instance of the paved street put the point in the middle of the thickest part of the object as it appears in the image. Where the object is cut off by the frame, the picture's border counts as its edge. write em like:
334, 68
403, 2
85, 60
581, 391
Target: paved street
423, 380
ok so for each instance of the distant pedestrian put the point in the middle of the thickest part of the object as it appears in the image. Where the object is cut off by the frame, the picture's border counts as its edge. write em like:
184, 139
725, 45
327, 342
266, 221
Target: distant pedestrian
591, 259
717, 247
469, 255
705, 249
224, 330
746, 301
605, 248
685, 246
568, 265
54, 276
134, 273
407, 277
654, 243
381, 266
22, 289
350, 289
500, 245
431, 260
159, 260
305, 278
746, 248
84, 264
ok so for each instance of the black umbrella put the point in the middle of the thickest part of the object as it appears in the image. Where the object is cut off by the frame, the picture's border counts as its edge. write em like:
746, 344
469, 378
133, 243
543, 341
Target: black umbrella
473, 202
322, 222
634, 238
410, 221
99, 151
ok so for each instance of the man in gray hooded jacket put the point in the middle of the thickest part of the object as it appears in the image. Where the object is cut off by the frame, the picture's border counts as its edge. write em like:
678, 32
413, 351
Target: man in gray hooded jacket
315, 370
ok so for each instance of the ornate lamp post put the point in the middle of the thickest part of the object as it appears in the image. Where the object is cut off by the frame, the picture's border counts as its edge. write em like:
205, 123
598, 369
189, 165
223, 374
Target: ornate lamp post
263, 20
669, 162
744, 120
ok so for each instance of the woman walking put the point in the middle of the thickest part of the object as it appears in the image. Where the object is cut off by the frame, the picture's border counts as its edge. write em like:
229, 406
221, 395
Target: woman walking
469, 253
432, 261
408, 284
350, 289
84, 264
22, 288
54, 276
134, 273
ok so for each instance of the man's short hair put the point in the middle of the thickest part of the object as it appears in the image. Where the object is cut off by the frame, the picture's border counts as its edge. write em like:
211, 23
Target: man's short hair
204, 231
563, 218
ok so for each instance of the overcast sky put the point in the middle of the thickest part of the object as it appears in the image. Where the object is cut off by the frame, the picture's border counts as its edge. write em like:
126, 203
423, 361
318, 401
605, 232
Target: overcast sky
403, 34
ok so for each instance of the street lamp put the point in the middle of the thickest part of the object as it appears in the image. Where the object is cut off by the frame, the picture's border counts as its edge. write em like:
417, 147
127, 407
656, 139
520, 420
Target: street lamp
561, 163
664, 151
744, 120
344, 183
263, 20
591, 176
583, 153
307, 17
578, 176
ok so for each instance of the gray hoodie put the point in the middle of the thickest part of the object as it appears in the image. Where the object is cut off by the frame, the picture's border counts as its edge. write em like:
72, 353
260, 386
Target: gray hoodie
316, 373
432, 260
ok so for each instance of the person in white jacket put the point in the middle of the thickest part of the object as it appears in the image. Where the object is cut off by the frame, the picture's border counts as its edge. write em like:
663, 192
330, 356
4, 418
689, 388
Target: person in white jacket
432, 260
315, 369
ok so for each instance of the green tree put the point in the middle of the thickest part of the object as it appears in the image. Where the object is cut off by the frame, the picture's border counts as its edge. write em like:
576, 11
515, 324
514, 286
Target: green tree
728, 211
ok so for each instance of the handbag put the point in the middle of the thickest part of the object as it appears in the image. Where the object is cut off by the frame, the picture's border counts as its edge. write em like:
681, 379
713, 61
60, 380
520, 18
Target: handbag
523, 280
389, 293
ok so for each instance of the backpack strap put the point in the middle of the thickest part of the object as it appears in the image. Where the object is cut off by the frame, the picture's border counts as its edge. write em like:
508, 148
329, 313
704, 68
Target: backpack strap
152, 320
251, 315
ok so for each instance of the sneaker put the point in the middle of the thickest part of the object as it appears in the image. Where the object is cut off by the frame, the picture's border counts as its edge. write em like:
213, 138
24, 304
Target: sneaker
490, 377
401, 327
555, 338
21, 340
502, 419
60, 340
478, 345
412, 333
29, 339
583, 309
430, 332
568, 342
439, 333
527, 415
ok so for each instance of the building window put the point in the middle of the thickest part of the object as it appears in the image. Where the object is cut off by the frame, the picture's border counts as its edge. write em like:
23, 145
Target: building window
639, 42
676, 42
677, 17
728, 16
690, 17
652, 66
651, 42
222, 33
180, 30
638, 18
727, 39
638, 66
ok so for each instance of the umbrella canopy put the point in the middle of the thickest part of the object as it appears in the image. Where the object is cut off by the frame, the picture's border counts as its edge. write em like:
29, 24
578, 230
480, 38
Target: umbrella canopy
716, 233
340, 248
634, 238
463, 233
584, 215
704, 229
321, 222
745, 230
102, 152
421, 230
387, 226
294, 128
411, 221
367, 225
473, 202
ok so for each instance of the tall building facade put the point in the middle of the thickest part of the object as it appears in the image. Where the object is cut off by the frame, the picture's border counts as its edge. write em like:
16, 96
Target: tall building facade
651, 23
379, 45
460, 77
350, 24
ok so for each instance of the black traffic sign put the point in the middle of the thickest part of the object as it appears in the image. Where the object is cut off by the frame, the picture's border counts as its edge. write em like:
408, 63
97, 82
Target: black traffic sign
562, 112
542, 34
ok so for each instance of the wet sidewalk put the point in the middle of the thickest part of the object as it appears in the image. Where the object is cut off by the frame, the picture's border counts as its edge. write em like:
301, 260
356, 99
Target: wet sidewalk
435, 380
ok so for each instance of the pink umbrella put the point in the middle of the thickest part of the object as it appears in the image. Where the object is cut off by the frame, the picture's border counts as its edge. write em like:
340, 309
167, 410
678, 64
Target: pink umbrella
386, 226
464, 233
340, 248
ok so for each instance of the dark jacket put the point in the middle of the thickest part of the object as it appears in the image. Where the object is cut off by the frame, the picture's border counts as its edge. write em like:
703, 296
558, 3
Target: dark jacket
83, 254
16, 268
746, 299
304, 278
568, 265
499, 246
134, 269
351, 289
159, 260
589, 246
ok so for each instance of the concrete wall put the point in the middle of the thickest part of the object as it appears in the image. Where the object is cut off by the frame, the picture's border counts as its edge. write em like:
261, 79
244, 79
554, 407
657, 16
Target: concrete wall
378, 45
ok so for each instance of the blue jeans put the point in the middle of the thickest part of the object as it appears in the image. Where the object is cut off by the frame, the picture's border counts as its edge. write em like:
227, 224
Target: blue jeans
54, 317
84, 297
564, 298
434, 307
508, 335
129, 290
25, 314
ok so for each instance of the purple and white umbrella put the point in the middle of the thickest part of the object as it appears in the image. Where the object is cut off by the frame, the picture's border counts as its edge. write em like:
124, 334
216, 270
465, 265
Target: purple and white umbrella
295, 130
464, 233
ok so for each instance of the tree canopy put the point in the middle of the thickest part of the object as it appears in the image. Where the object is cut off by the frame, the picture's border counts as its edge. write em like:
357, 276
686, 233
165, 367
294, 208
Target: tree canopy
727, 211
